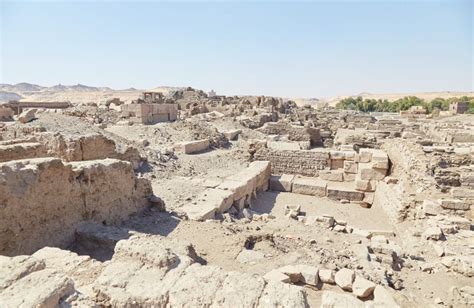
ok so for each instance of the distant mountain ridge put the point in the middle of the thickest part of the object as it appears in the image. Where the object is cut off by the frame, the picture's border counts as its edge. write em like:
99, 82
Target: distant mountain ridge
28, 87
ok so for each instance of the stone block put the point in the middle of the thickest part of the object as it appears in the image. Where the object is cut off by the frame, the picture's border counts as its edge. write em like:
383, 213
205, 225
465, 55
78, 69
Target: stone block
455, 204
344, 279
220, 199
340, 191
362, 287
200, 212
365, 155
327, 276
349, 177
332, 175
350, 166
432, 207
232, 134
309, 186
367, 172
363, 185
190, 147
282, 183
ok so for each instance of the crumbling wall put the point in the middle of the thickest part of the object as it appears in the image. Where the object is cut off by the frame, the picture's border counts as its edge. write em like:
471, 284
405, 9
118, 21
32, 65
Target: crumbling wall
23, 150
390, 198
43, 199
302, 162
87, 147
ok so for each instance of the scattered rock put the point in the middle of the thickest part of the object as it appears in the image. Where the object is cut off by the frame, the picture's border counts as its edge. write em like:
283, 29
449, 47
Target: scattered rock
344, 279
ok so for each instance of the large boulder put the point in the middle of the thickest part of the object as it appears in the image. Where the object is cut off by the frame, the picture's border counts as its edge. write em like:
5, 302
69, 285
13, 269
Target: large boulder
27, 115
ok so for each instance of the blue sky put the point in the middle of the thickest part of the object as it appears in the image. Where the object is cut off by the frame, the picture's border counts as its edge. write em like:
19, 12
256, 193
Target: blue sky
297, 49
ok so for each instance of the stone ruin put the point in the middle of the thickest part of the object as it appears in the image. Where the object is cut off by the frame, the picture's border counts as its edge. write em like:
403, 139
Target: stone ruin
267, 204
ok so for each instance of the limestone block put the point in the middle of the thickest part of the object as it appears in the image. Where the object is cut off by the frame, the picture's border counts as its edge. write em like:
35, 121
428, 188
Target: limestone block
350, 166
310, 274
369, 198
454, 204
432, 207
200, 211
27, 115
337, 164
367, 172
337, 155
240, 188
190, 147
220, 199
309, 186
232, 134
349, 177
282, 183
365, 155
332, 175
362, 287
344, 279
340, 191
363, 185
350, 155
262, 171
327, 276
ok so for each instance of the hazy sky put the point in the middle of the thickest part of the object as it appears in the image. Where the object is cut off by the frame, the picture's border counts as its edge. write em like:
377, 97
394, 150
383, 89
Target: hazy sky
305, 49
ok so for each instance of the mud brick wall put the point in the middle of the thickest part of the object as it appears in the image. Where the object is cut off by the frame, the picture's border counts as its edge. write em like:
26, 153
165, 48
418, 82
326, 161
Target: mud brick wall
301, 162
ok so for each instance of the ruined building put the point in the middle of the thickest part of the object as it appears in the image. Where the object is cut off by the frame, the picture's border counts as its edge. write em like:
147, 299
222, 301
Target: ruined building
152, 108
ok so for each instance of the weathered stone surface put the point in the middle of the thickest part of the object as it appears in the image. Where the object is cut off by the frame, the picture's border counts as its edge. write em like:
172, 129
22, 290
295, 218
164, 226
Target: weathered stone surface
250, 256
13, 269
67, 198
44, 288
149, 270
433, 233
190, 147
339, 191
364, 185
277, 294
362, 287
432, 207
310, 274
344, 279
309, 186
453, 204
232, 134
350, 166
383, 298
302, 162
277, 275
369, 172
339, 300
27, 115
22, 150
327, 276
332, 175
282, 183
